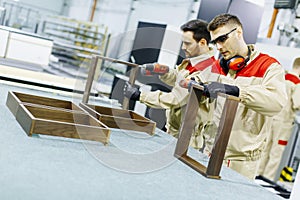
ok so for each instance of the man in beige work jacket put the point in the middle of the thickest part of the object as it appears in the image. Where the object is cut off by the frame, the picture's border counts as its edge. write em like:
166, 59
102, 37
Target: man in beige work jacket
258, 80
282, 125
199, 57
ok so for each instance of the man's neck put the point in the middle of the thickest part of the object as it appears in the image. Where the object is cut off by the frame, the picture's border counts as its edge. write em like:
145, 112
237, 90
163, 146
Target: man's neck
244, 51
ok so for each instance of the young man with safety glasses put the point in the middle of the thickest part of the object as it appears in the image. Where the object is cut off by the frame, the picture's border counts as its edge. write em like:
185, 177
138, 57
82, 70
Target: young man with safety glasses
257, 79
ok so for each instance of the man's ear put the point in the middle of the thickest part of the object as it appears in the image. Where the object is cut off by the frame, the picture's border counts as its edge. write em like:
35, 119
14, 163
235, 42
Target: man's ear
202, 42
239, 31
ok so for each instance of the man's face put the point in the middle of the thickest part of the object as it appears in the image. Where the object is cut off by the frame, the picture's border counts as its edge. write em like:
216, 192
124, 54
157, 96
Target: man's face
190, 46
226, 40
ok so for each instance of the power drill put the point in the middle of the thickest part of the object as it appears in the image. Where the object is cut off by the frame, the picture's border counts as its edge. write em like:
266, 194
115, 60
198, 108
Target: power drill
154, 68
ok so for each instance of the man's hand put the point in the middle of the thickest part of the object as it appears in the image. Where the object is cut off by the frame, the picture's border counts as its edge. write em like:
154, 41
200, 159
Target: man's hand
154, 68
187, 83
131, 92
212, 89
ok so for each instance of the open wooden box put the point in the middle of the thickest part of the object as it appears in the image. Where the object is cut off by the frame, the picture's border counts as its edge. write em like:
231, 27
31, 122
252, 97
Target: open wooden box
48, 116
120, 118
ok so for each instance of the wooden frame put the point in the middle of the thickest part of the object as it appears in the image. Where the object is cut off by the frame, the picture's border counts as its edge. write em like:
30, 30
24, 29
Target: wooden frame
227, 118
91, 74
120, 118
48, 116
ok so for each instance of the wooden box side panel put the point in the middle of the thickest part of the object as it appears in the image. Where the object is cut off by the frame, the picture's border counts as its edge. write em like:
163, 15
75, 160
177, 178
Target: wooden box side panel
117, 112
56, 115
63, 116
68, 130
25, 119
129, 124
136, 116
12, 102
33, 99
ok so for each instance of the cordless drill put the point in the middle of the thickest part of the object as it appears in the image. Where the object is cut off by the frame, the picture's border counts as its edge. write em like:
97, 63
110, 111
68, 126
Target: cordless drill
154, 68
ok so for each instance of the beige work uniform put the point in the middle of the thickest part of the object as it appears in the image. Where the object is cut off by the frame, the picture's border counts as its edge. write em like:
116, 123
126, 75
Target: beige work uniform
280, 133
175, 101
262, 97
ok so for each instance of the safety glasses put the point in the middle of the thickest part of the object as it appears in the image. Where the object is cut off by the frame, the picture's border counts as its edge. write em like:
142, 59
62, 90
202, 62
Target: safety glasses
222, 38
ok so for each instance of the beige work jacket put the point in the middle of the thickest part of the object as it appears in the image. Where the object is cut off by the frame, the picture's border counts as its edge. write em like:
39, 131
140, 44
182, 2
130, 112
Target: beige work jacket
261, 99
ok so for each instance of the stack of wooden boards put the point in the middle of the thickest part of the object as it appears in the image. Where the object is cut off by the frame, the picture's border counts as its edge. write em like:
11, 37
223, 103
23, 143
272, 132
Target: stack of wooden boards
49, 116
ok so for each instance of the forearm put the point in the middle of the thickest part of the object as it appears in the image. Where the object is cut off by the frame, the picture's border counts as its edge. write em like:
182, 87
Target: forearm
170, 77
165, 100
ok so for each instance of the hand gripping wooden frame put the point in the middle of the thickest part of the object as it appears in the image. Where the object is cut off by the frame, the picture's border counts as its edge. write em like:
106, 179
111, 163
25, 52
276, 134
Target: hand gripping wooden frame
227, 118
91, 74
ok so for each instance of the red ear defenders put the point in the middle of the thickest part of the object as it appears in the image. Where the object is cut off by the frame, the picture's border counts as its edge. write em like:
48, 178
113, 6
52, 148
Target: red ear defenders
235, 63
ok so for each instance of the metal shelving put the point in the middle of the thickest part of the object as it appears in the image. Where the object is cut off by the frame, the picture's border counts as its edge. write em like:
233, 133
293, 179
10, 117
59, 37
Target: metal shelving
75, 41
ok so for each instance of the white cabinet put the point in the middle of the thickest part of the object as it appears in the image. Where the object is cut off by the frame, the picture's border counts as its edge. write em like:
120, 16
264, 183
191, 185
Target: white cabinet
29, 49
23, 46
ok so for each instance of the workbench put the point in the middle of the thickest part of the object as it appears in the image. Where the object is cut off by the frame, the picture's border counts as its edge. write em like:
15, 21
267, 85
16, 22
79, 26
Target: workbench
134, 165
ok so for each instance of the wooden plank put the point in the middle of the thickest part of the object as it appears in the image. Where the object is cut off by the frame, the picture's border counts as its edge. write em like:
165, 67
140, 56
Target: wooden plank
46, 101
90, 78
132, 77
188, 124
69, 130
193, 164
12, 102
223, 134
117, 112
121, 119
24, 117
224, 129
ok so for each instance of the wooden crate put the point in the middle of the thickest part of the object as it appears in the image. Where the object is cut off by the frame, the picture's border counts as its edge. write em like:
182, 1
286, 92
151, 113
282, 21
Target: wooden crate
120, 118
14, 99
47, 116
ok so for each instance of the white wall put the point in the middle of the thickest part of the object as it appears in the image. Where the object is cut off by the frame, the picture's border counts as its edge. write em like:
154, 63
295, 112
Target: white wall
79, 9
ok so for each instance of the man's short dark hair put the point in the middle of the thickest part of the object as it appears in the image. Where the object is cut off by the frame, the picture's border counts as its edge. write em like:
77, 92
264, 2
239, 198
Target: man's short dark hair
199, 28
223, 19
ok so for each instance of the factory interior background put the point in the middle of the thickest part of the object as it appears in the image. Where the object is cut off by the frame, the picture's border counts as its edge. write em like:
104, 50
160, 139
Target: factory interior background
49, 45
